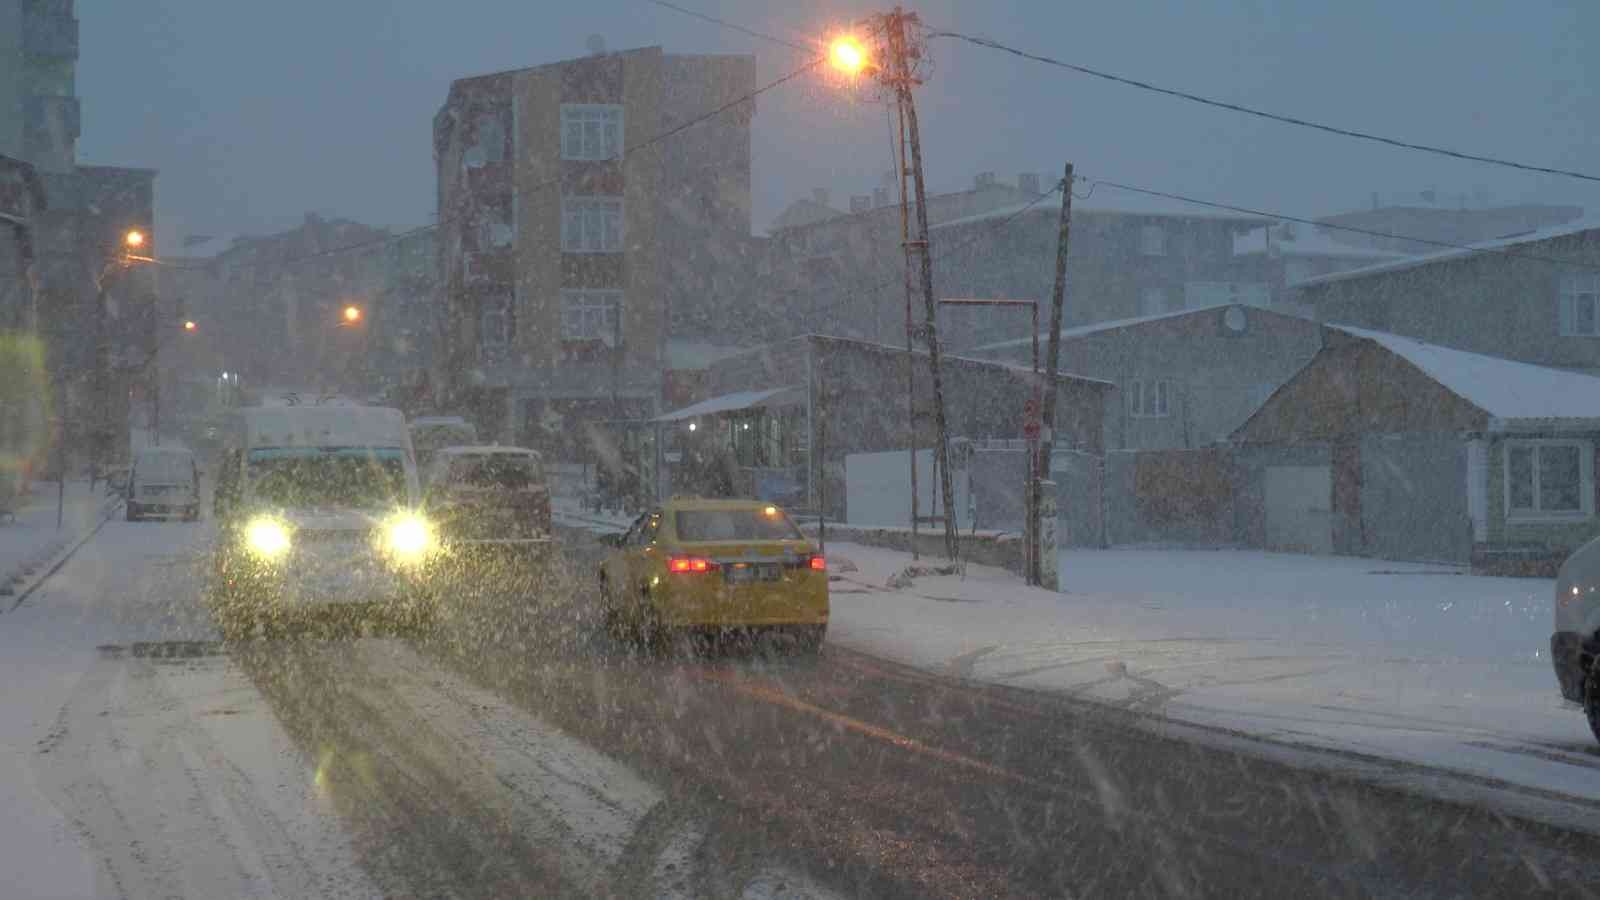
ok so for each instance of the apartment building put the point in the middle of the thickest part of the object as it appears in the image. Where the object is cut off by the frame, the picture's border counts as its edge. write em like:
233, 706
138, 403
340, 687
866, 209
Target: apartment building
576, 237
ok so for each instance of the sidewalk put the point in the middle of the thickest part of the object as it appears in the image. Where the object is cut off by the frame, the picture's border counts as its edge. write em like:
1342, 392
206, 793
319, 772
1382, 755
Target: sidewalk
32, 543
1418, 664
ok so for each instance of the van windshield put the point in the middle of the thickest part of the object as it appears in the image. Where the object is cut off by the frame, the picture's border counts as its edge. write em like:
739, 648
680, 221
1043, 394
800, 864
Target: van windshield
345, 477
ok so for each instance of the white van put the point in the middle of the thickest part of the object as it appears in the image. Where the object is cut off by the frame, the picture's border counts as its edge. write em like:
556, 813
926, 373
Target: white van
1575, 643
163, 481
319, 513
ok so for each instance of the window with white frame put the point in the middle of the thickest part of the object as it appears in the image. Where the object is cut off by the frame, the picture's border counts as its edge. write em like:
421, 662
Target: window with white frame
1549, 479
591, 316
591, 131
591, 224
1149, 398
1153, 240
1580, 304
494, 322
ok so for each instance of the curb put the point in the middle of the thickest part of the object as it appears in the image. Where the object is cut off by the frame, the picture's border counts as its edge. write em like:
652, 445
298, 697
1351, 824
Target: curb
107, 513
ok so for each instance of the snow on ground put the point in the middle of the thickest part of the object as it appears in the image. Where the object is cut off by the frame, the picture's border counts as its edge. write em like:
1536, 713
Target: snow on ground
1417, 663
30, 538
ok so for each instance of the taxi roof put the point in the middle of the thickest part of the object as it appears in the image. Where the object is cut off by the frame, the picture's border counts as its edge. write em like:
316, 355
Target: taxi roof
716, 503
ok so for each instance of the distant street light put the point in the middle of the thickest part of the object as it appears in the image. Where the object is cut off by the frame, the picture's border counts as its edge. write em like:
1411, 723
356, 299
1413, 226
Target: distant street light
134, 239
352, 314
189, 325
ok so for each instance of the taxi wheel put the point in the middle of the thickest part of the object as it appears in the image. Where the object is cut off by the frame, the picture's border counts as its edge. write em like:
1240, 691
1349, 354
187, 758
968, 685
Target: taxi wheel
1591, 698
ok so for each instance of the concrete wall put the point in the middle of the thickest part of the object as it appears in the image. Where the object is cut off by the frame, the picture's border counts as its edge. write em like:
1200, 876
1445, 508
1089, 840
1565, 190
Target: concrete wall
1218, 375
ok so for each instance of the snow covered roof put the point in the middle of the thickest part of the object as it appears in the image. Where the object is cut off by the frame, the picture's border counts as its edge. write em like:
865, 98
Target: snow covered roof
206, 246
732, 403
1300, 239
1113, 324
1515, 393
1498, 244
1118, 203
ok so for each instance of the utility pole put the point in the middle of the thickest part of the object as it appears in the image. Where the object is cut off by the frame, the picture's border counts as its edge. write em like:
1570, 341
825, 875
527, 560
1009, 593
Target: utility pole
903, 78
102, 381
911, 332
1053, 356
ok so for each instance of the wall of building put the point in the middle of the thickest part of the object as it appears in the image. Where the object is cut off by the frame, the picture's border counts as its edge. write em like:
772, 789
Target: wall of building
11, 80
1496, 304
1217, 375
1414, 497
1354, 387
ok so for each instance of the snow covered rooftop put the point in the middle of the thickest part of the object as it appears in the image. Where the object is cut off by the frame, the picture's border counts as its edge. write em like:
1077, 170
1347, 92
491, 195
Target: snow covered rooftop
1509, 391
1299, 239
1110, 203
1508, 243
733, 402
1113, 324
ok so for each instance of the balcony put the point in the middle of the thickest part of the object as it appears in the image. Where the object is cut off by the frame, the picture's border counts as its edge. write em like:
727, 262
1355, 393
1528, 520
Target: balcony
44, 34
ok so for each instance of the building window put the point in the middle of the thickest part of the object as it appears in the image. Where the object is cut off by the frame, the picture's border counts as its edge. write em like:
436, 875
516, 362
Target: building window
494, 322
1549, 479
591, 224
1152, 241
591, 316
591, 132
1580, 304
1149, 398
1152, 301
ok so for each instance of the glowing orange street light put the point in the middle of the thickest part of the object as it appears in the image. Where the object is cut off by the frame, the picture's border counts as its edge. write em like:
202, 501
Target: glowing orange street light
352, 314
847, 55
189, 325
134, 239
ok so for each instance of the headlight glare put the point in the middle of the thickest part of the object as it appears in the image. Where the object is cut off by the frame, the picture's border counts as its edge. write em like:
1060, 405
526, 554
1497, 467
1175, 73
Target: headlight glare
408, 537
267, 538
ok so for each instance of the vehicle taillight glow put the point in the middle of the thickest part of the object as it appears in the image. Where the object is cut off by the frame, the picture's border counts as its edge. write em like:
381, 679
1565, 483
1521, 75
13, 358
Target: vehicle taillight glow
818, 564
690, 564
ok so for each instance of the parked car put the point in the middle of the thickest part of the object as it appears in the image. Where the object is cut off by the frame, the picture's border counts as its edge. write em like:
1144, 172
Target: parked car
319, 516
1575, 646
715, 565
490, 506
429, 434
163, 481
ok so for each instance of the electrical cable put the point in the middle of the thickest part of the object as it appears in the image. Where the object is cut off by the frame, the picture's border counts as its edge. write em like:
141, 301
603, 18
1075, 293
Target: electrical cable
1288, 120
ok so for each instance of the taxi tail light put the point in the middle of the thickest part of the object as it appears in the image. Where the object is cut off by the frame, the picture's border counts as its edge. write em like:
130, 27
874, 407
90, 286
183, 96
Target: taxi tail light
818, 563
690, 565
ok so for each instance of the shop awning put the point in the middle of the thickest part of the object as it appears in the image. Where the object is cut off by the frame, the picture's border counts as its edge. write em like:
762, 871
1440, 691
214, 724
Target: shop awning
784, 396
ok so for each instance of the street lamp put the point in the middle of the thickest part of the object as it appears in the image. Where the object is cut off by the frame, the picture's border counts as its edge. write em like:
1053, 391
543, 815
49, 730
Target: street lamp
134, 239
352, 314
189, 325
847, 55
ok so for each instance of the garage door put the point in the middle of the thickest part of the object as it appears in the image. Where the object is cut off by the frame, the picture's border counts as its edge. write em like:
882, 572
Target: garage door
1299, 508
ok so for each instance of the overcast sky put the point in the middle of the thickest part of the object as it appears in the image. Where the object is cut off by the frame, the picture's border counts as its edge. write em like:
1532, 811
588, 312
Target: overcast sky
256, 113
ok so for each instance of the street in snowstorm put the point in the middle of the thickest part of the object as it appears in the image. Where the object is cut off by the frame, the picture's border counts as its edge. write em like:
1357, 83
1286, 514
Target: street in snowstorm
690, 449
531, 755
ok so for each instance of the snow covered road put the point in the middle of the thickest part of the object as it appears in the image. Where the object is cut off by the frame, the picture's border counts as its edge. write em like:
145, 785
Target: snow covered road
1415, 663
518, 751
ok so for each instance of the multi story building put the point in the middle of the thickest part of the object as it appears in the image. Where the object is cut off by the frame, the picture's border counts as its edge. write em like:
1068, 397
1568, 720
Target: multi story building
574, 243
38, 91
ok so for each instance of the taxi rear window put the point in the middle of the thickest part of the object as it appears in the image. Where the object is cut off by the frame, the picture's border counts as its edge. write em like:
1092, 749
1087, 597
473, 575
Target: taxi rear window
735, 525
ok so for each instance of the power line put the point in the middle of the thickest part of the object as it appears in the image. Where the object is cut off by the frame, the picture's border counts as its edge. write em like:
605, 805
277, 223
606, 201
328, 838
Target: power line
1267, 214
1288, 120
726, 24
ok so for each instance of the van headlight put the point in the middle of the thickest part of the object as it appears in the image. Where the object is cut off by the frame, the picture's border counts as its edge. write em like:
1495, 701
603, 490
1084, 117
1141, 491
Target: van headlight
267, 538
408, 538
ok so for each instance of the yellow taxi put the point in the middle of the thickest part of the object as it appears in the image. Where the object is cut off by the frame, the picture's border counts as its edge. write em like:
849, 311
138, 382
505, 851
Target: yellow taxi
714, 565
